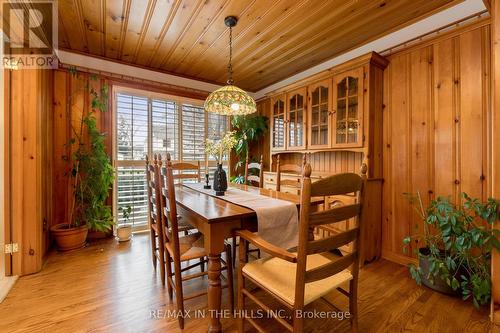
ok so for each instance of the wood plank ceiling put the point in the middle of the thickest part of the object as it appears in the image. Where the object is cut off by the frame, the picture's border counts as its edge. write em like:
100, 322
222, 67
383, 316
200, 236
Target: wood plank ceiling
273, 39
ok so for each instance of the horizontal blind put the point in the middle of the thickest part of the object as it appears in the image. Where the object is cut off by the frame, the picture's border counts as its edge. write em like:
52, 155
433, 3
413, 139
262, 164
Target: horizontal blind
132, 127
193, 133
132, 191
165, 128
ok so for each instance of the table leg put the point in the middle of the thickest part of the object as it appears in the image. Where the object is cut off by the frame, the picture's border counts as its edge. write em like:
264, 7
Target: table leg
214, 292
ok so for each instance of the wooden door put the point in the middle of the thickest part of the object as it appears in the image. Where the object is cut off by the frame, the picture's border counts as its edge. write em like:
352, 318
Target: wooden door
319, 115
347, 120
278, 123
295, 119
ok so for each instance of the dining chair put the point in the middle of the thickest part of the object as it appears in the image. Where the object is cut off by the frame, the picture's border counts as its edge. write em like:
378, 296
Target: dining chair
193, 171
296, 279
254, 180
179, 250
154, 215
288, 168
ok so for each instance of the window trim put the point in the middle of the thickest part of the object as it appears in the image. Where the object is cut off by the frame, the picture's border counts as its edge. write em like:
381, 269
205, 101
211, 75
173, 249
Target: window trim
179, 100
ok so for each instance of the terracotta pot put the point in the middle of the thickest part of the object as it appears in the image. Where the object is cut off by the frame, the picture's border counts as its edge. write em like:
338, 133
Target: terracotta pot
69, 238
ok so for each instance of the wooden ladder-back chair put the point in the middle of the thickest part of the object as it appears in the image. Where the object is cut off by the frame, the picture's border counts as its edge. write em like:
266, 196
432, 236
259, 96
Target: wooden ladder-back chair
291, 168
297, 279
185, 248
179, 175
193, 174
154, 215
255, 180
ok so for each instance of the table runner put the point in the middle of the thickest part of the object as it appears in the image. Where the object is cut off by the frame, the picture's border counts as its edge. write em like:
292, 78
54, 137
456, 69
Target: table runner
277, 219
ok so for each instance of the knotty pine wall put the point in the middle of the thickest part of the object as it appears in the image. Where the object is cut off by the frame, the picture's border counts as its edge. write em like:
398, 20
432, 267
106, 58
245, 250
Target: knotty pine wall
71, 99
436, 128
28, 186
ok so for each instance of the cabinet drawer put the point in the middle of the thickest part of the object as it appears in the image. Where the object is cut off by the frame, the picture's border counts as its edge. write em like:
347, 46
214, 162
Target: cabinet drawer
270, 178
270, 186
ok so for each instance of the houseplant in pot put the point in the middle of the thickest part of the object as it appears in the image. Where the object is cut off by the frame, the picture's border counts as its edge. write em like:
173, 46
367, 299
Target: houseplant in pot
218, 149
91, 175
247, 130
455, 247
124, 230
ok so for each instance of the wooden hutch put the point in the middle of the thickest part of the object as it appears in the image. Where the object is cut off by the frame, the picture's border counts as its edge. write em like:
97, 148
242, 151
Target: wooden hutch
334, 119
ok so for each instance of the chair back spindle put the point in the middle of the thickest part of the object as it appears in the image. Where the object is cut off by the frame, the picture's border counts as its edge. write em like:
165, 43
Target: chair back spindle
254, 180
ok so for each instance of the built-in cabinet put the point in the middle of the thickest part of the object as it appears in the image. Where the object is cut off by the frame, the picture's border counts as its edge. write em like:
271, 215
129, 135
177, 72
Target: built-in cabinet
334, 115
348, 109
320, 111
278, 123
327, 113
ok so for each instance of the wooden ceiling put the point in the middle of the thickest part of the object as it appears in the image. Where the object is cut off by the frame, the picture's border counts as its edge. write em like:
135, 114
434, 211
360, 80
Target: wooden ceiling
273, 39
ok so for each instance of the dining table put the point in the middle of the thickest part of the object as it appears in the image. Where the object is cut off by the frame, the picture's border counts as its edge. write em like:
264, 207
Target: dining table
217, 219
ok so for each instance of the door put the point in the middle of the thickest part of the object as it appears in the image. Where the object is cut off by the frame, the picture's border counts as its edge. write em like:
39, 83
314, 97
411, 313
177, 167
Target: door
348, 109
319, 115
278, 123
295, 119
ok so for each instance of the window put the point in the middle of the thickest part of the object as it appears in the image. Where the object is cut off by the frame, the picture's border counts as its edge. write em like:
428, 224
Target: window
156, 124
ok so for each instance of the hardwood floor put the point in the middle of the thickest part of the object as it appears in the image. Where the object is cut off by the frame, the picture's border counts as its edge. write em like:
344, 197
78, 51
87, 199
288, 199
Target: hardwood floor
110, 287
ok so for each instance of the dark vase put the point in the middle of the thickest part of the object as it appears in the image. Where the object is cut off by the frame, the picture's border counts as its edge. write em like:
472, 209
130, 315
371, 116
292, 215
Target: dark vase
220, 180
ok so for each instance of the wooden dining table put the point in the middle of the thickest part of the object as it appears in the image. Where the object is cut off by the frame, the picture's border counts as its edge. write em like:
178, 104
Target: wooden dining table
216, 219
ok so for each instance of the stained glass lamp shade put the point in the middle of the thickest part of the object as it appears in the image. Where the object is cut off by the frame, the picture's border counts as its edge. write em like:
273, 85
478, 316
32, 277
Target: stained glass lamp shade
230, 100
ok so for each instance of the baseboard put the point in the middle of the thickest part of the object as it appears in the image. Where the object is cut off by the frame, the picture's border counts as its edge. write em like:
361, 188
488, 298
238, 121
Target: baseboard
398, 258
6, 284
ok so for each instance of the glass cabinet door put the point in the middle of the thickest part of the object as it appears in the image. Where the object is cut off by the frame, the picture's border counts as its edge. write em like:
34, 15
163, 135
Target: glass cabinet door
348, 101
278, 123
296, 106
320, 111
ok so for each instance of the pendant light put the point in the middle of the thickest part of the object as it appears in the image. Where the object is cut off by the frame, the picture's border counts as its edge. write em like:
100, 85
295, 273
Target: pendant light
230, 100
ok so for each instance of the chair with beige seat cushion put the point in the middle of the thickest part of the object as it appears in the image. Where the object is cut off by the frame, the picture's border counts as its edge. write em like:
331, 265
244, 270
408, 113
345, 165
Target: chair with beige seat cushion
183, 171
296, 279
181, 249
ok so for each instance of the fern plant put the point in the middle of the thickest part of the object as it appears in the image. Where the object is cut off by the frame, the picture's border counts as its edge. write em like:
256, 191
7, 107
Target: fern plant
90, 168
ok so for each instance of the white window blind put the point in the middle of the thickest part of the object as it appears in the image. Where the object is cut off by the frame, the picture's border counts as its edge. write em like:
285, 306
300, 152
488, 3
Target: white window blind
165, 128
193, 133
132, 127
150, 124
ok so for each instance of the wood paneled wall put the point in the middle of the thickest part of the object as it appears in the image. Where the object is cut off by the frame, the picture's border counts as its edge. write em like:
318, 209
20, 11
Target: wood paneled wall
28, 105
71, 99
495, 148
436, 128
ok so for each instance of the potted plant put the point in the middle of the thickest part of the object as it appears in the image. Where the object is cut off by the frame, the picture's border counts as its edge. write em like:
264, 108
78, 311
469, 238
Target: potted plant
124, 230
91, 174
218, 149
457, 242
247, 129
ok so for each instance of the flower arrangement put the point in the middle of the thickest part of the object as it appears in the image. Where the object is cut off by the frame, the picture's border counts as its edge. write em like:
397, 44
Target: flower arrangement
218, 148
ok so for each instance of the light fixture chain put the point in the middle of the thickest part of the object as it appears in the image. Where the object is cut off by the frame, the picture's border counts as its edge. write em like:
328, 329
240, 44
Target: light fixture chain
230, 66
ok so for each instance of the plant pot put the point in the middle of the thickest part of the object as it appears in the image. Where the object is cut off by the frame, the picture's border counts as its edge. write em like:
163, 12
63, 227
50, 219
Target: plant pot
438, 283
123, 233
220, 180
69, 238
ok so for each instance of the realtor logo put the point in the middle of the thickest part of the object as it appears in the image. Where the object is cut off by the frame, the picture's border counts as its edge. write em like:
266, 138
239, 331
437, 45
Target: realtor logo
29, 34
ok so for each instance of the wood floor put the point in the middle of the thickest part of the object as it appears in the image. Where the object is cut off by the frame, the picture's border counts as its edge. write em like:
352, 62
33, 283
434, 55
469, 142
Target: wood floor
110, 287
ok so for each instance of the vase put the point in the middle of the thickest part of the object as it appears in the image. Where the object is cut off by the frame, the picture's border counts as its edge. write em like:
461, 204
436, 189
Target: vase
220, 180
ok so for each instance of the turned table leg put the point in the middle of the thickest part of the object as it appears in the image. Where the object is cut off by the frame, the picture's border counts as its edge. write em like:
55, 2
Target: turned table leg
214, 292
